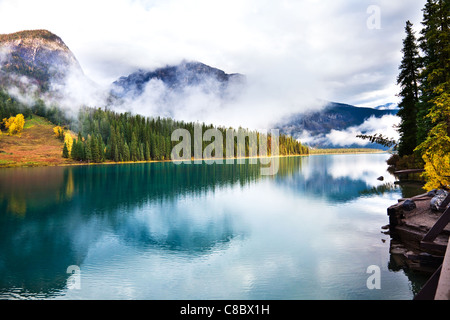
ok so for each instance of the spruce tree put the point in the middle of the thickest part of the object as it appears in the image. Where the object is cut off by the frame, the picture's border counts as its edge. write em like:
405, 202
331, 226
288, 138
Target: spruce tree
116, 154
88, 151
168, 148
94, 149
126, 152
147, 151
435, 99
112, 144
409, 93
141, 152
65, 152
153, 146
101, 148
134, 148
435, 61
76, 151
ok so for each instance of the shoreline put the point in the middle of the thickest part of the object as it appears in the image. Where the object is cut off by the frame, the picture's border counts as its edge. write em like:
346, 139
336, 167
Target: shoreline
109, 162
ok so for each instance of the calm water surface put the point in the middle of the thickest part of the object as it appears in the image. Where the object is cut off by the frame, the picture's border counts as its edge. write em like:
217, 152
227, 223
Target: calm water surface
165, 231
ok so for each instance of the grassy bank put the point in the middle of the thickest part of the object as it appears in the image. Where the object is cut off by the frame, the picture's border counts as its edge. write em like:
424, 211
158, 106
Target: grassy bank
345, 150
35, 146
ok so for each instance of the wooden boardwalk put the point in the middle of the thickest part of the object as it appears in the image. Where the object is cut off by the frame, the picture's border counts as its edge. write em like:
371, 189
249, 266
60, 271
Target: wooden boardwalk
438, 286
443, 286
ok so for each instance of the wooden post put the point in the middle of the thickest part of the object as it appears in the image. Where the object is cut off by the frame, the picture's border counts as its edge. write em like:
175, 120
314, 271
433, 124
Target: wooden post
445, 203
443, 287
442, 222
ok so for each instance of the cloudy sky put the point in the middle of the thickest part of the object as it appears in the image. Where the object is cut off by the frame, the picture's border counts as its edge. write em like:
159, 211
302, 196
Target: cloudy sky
340, 50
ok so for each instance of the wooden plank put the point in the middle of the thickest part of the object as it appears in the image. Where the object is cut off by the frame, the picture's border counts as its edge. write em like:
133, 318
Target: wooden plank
443, 288
436, 247
442, 222
445, 203
428, 291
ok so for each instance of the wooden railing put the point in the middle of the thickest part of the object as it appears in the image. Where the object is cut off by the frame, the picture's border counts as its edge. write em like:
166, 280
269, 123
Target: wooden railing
428, 291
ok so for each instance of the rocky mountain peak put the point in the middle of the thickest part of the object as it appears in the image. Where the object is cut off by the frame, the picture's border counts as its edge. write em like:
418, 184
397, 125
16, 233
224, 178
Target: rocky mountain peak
177, 77
39, 55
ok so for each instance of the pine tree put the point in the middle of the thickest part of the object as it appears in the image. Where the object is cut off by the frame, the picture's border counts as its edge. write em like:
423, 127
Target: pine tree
153, 146
88, 151
82, 150
435, 43
134, 148
147, 151
75, 154
101, 148
93, 142
112, 144
141, 152
435, 61
168, 148
116, 155
408, 81
65, 152
161, 147
126, 152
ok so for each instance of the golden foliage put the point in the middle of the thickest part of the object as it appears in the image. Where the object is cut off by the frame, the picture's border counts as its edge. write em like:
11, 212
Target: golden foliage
435, 149
14, 125
59, 132
436, 155
68, 140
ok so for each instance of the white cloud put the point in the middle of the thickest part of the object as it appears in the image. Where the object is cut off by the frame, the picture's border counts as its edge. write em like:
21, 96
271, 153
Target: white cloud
386, 125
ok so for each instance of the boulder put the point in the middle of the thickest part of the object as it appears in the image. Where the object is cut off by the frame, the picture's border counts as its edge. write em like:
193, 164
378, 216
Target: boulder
437, 200
408, 205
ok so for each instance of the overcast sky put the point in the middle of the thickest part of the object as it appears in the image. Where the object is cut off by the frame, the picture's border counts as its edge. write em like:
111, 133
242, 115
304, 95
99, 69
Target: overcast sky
329, 49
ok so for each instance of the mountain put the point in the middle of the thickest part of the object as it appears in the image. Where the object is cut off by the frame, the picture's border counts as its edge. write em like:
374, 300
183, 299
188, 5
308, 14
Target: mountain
334, 116
177, 78
39, 59
38, 55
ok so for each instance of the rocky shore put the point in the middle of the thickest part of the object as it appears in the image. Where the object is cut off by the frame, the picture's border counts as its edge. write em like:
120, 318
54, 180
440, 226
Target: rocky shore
410, 221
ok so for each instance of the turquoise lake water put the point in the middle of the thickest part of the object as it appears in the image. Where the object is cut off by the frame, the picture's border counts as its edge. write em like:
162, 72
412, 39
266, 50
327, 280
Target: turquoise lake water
199, 231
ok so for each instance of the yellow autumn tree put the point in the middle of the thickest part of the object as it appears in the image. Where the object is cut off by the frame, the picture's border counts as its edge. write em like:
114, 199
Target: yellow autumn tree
435, 149
68, 140
59, 132
14, 125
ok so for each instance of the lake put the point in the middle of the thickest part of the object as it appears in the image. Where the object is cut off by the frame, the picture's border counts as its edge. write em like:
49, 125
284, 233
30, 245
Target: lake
166, 231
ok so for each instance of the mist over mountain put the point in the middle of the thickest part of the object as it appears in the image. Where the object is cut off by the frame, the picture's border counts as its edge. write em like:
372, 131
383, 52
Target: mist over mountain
177, 78
39, 55
190, 90
337, 125
38, 64
335, 116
